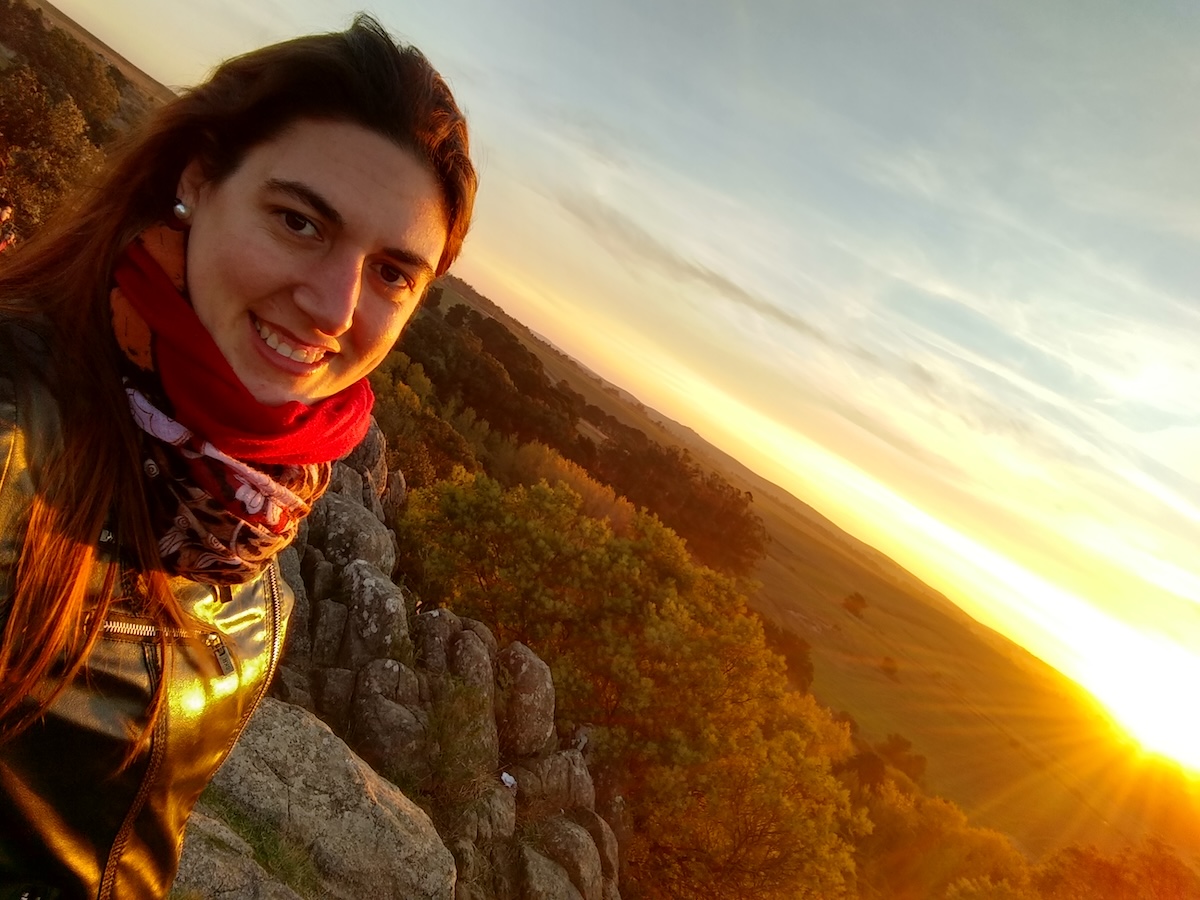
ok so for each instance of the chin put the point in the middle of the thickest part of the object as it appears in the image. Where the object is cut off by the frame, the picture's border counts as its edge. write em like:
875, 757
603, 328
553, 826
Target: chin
276, 395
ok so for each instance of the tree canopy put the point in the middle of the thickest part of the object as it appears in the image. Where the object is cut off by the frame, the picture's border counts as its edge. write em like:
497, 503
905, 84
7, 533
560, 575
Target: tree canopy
725, 773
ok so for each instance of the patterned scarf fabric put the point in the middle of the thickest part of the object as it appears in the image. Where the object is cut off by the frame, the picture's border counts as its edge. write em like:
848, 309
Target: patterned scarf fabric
223, 502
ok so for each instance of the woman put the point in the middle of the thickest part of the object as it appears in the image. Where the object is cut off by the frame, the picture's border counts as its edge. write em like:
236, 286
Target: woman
180, 361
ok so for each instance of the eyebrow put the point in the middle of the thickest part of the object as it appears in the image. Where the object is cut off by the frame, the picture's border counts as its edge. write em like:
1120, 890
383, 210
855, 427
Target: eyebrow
326, 210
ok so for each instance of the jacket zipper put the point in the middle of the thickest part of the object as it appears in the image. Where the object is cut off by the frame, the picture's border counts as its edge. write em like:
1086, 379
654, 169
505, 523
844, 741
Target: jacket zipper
276, 639
276, 652
108, 881
212, 639
158, 741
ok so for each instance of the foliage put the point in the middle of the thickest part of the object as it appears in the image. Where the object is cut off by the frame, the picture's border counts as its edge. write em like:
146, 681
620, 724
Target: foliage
986, 889
795, 651
1147, 872
45, 146
419, 441
68, 69
854, 604
896, 750
734, 787
921, 845
477, 364
530, 463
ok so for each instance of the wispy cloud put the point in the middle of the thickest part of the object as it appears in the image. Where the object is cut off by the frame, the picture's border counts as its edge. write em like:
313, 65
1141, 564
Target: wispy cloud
632, 244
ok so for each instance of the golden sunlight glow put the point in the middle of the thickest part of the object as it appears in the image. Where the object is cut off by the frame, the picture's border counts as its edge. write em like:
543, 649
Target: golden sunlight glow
1140, 677
1148, 684
1143, 679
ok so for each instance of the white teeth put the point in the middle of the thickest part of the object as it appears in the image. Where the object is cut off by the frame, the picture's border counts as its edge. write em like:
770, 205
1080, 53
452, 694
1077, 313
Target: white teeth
299, 354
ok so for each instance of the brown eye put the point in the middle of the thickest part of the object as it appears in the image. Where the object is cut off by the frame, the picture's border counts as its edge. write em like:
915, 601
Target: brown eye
298, 223
390, 274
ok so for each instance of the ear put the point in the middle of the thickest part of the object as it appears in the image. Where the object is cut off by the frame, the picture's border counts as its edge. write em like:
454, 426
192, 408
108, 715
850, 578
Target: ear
191, 183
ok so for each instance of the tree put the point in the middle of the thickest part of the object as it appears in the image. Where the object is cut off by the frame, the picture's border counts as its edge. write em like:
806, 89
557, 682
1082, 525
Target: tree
921, 845
795, 651
986, 889
855, 604
1150, 871
67, 68
46, 148
726, 772
897, 751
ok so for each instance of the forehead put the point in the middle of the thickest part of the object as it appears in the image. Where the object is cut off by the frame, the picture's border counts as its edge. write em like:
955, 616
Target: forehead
378, 189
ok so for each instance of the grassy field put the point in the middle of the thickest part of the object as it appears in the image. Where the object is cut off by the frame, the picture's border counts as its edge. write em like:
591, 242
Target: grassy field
1018, 746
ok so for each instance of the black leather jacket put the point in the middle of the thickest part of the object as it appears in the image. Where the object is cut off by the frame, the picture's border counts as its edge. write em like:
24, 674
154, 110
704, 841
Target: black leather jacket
73, 822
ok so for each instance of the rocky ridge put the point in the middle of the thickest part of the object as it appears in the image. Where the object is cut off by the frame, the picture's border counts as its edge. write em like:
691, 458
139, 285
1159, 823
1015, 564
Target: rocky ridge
403, 754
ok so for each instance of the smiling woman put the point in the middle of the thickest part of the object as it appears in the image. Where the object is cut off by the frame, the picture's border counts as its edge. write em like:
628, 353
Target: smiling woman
303, 299
184, 354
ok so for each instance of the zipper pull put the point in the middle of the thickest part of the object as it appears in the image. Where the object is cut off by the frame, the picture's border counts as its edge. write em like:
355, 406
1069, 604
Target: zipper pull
221, 652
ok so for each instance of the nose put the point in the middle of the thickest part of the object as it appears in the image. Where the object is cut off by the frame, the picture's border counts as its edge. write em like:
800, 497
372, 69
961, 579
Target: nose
330, 292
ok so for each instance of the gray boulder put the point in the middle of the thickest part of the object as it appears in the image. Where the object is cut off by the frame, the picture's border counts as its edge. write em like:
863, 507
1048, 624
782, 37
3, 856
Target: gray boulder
346, 531
602, 836
394, 497
333, 690
469, 660
347, 482
380, 676
297, 651
369, 458
216, 862
545, 879
571, 847
371, 497
392, 738
365, 838
320, 577
293, 686
484, 634
525, 704
329, 626
560, 781
492, 817
432, 632
377, 627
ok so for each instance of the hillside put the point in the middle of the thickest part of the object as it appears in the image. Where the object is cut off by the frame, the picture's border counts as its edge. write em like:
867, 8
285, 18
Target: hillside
1004, 734
151, 89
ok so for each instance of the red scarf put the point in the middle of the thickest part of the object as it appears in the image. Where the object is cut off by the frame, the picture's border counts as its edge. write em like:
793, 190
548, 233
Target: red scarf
165, 335
228, 480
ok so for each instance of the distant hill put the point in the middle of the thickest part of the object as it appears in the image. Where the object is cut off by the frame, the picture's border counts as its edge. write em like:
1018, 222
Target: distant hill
154, 90
1016, 744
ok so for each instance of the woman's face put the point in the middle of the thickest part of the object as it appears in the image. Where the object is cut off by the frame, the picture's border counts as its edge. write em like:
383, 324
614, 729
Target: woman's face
306, 262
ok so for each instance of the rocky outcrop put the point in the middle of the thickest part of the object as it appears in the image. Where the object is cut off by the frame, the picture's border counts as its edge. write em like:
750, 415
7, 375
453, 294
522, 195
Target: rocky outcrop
526, 710
217, 862
290, 774
428, 701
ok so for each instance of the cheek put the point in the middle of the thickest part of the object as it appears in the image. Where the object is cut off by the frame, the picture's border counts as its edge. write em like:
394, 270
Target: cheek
225, 276
377, 331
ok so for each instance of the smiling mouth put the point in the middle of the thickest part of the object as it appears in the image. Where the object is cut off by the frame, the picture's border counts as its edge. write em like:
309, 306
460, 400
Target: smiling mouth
281, 345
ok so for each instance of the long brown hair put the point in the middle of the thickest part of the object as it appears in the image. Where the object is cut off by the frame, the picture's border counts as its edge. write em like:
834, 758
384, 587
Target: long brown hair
61, 278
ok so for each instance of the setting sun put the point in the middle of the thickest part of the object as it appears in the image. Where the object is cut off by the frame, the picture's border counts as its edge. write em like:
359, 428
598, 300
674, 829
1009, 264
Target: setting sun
1149, 684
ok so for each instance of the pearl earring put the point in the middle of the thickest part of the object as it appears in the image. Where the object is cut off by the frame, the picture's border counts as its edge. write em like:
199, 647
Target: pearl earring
182, 211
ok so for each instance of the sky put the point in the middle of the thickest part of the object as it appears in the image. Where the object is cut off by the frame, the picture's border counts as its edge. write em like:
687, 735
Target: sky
930, 266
